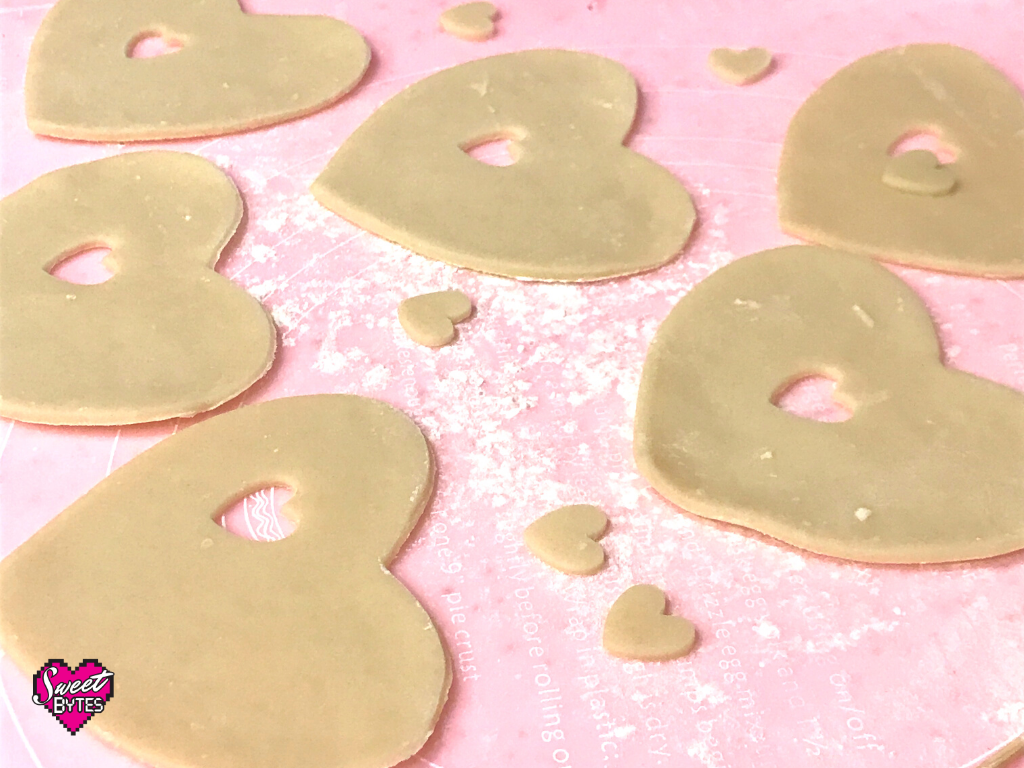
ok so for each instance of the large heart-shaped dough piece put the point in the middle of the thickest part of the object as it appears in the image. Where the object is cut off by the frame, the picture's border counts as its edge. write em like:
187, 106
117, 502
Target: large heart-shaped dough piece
233, 72
230, 652
576, 204
929, 467
166, 336
836, 154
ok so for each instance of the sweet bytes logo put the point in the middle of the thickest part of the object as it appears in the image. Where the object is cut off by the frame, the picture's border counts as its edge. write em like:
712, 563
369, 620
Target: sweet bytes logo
73, 696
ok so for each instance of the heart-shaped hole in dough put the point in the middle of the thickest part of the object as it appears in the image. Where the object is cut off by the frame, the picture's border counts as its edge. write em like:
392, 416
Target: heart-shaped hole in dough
258, 515
929, 139
499, 151
149, 45
87, 265
812, 396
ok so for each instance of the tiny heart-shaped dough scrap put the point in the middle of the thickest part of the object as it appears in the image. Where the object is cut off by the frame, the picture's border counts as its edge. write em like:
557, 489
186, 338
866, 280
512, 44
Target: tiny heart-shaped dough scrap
470, 21
233, 72
920, 173
165, 336
231, 652
429, 319
565, 539
836, 175
928, 468
740, 67
576, 205
637, 627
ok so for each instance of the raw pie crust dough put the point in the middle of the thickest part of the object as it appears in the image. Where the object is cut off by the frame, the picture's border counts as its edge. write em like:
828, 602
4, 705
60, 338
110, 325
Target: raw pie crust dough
576, 205
836, 153
740, 67
470, 21
165, 336
566, 538
637, 627
429, 319
231, 652
235, 71
930, 466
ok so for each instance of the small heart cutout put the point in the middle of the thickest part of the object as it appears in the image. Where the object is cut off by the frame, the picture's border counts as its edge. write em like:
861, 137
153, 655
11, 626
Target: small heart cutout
566, 539
429, 319
920, 173
73, 696
740, 67
470, 21
637, 627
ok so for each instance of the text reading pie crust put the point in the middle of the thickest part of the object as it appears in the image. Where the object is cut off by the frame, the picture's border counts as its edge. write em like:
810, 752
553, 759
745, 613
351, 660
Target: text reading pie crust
232, 652
233, 72
575, 205
929, 467
166, 335
839, 187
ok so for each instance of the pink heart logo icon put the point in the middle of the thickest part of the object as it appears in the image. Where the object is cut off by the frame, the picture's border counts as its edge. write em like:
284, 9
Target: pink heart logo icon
73, 696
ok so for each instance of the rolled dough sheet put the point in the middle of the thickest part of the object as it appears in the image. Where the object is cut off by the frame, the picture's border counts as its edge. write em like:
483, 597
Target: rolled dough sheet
576, 204
231, 652
166, 335
836, 155
930, 466
234, 71
533, 409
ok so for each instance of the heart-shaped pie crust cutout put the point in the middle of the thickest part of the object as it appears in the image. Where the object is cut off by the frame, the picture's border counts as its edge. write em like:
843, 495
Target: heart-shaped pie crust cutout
919, 172
470, 21
299, 652
233, 72
566, 539
837, 151
166, 336
430, 319
928, 468
637, 627
740, 67
576, 204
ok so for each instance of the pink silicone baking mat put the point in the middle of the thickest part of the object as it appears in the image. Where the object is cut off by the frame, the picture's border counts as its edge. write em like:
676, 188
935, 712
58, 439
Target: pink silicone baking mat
802, 660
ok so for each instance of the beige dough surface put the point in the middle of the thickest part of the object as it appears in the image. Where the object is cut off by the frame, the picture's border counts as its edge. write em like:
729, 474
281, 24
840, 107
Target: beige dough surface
429, 319
576, 205
470, 21
234, 72
836, 154
740, 67
919, 172
929, 467
637, 627
166, 335
566, 538
235, 653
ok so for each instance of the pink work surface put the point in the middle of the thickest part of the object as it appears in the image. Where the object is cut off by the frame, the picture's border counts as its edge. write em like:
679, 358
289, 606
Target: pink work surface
802, 660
